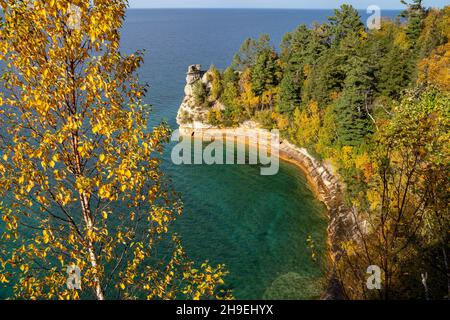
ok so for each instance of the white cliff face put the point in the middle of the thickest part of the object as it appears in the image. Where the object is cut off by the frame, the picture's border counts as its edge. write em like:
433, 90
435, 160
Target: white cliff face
190, 114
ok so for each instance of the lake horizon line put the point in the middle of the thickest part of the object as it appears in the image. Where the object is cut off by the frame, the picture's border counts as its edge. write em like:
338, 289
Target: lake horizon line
260, 9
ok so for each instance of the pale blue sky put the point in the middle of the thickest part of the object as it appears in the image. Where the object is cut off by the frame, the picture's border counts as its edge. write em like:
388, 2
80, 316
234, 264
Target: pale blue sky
312, 4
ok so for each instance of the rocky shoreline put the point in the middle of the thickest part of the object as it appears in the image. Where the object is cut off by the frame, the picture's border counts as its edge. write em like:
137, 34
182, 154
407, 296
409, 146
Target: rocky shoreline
325, 184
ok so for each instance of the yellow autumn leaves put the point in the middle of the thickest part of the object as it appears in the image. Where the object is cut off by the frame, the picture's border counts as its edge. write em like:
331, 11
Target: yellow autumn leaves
81, 167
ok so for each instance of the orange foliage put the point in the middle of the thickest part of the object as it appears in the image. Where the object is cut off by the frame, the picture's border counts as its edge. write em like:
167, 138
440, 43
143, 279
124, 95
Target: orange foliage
435, 69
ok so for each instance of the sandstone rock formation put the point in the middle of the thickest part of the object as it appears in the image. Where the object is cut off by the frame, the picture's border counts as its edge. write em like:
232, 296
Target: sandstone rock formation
190, 114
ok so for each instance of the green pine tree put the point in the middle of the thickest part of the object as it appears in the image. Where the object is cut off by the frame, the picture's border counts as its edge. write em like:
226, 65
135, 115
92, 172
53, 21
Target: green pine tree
249, 52
415, 13
265, 72
345, 21
353, 105
290, 91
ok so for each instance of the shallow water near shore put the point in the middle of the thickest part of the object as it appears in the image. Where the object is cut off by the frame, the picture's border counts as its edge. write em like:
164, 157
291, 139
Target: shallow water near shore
257, 225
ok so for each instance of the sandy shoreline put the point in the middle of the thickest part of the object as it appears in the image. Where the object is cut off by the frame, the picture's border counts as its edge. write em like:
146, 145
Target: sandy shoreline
323, 183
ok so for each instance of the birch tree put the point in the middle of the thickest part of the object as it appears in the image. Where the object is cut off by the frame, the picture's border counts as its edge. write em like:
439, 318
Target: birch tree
80, 181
